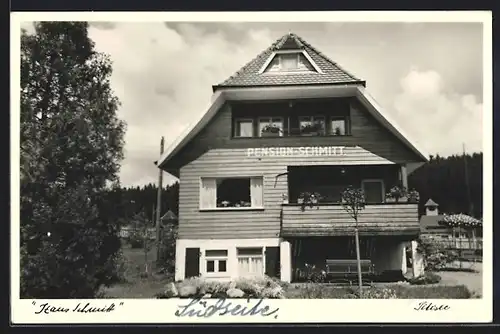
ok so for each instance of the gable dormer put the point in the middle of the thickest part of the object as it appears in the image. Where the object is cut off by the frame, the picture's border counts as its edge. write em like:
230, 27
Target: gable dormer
289, 57
290, 61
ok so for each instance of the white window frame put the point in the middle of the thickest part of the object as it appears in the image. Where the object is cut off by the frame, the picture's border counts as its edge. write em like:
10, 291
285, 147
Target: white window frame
271, 121
303, 52
262, 256
381, 181
242, 119
215, 208
216, 260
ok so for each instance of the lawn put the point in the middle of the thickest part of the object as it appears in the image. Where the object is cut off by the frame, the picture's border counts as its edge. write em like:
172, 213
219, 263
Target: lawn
399, 291
137, 284
473, 278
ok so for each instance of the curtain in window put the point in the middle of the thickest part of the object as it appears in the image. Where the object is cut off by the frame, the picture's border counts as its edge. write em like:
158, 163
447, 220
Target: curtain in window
245, 129
208, 195
256, 192
250, 266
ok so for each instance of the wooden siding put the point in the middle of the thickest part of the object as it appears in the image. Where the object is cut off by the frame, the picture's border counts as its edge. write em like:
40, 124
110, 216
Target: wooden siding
194, 223
214, 153
372, 139
331, 220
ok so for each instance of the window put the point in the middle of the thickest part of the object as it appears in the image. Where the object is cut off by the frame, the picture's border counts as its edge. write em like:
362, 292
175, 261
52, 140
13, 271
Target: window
286, 62
373, 190
312, 125
289, 61
243, 128
250, 261
237, 192
271, 127
216, 261
338, 126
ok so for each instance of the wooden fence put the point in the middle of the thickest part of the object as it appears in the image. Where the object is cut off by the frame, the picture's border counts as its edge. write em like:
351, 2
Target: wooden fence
125, 232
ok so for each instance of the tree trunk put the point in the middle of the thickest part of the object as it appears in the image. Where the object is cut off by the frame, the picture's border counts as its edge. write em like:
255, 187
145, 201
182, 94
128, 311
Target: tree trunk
358, 260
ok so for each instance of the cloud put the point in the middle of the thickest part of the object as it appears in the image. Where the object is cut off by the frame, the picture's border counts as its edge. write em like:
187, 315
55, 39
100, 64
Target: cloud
439, 118
163, 77
163, 74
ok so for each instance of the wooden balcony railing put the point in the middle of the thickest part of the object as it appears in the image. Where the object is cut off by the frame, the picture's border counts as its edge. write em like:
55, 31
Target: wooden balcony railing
333, 219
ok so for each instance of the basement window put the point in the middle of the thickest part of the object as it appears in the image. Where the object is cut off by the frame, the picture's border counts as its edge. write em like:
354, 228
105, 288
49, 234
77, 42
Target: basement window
250, 262
216, 261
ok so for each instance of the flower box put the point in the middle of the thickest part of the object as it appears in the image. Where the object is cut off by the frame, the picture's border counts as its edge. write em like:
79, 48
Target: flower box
403, 199
310, 134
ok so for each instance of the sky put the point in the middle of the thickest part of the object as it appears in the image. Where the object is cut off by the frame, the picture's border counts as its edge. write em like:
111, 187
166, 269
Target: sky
428, 77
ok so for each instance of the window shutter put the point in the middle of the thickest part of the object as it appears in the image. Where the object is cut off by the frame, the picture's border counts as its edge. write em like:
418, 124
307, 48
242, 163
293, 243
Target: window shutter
256, 191
273, 261
208, 193
192, 267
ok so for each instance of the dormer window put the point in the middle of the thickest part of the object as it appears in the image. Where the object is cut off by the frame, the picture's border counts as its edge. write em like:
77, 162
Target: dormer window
289, 62
286, 62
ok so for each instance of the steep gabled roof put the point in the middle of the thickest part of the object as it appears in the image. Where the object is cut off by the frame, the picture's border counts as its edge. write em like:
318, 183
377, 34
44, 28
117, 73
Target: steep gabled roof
330, 73
168, 216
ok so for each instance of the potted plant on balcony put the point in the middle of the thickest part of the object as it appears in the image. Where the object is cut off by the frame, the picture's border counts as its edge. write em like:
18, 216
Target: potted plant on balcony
396, 194
308, 199
413, 196
337, 131
271, 130
311, 129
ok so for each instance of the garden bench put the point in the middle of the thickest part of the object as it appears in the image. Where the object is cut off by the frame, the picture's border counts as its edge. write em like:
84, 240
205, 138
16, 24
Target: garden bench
347, 270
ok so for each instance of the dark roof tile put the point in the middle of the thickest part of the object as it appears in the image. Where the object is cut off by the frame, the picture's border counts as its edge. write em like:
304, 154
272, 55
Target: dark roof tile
249, 76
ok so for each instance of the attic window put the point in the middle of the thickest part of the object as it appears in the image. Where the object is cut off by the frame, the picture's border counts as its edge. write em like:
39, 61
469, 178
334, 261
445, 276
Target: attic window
289, 62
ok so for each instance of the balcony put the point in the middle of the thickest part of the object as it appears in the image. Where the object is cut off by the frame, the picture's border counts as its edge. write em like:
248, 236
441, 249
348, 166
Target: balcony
325, 219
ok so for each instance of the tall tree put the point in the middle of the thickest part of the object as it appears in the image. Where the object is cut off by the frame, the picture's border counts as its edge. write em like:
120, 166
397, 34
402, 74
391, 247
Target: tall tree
445, 181
71, 144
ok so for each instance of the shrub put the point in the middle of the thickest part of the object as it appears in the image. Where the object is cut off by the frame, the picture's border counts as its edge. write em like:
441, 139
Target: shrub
426, 278
372, 293
435, 255
321, 291
312, 274
307, 291
432, 292
167, 248
135, 240
265, 287
400, 291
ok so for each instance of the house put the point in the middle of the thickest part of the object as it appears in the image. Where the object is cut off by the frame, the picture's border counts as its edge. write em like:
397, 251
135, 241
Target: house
288, 122
432, 225
169, 216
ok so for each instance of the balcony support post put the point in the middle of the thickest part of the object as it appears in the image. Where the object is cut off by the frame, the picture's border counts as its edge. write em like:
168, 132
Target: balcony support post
285, 261
404, 176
